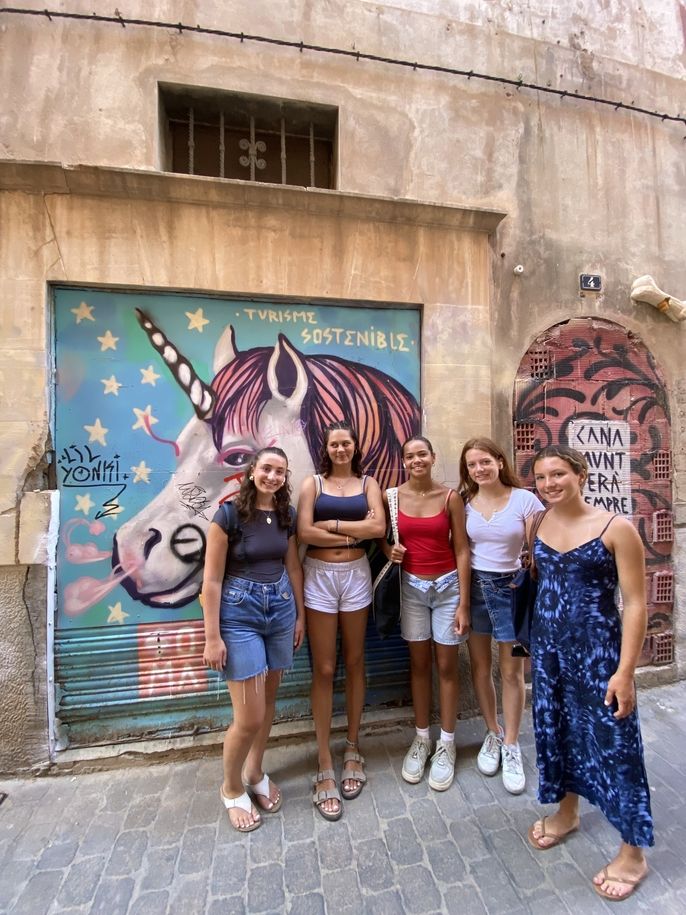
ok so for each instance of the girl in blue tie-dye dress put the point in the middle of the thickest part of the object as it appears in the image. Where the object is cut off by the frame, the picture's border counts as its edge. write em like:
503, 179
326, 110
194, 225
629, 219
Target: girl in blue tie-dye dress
583, 657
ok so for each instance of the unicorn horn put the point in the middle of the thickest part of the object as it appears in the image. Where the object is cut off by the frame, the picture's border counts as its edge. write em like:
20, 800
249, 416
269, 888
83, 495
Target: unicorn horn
200, 394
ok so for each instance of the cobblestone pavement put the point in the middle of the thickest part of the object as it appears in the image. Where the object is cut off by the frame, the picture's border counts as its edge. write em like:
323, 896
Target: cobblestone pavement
155, 839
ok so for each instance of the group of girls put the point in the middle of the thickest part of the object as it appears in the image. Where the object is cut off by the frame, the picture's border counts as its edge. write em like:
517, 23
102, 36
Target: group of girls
459, 552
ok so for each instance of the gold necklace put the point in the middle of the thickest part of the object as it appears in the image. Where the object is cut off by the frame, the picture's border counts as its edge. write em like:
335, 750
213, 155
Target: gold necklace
341, 486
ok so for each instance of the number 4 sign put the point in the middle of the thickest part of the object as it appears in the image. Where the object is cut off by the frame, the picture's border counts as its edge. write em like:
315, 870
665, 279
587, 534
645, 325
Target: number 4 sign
590, 282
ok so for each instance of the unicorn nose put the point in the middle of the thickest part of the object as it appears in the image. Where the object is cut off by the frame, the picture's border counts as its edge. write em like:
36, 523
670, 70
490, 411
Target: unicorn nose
188, 544
151, 542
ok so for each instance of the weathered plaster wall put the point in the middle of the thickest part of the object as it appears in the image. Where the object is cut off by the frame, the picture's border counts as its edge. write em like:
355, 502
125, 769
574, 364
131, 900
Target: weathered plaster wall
586, 188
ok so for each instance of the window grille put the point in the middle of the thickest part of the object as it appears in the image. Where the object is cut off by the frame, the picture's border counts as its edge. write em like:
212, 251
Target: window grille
540, 362
663, 648
525, 436
249, 137
663, 527
663, 588
662, 465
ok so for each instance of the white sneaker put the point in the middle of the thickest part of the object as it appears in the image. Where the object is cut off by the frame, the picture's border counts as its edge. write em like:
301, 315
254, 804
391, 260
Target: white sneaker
514, 779
415, 760
488, 760
442, 771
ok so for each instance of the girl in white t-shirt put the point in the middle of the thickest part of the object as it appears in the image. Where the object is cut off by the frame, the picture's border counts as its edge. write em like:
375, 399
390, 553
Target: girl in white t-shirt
496, 508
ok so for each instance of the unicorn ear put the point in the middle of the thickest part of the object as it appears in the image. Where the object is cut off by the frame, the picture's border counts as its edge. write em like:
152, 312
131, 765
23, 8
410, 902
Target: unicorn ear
286, 375
225, 350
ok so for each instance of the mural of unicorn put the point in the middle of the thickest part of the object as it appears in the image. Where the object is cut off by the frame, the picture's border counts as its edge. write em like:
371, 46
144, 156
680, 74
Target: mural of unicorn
263, 396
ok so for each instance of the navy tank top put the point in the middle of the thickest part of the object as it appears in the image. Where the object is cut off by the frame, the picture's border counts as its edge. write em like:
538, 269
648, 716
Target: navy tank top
341, 508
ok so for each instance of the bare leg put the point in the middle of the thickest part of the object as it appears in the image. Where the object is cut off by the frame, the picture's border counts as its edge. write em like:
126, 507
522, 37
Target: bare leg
512, 676
481, 662
630, 863
420, 681
321, 633
448, 685
248, 701
559, 824
353, 630
252, 770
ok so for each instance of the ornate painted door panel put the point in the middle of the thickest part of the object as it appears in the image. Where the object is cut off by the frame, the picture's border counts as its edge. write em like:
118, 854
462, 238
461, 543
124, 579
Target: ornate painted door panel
160, 402
593, 385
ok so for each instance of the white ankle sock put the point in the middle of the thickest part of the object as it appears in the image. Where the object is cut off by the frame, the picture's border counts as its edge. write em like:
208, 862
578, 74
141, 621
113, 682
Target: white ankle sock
446, 737
423, 732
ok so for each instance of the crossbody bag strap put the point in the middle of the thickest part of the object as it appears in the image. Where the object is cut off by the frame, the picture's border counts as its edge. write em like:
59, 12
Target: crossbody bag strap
530, 546
392, 496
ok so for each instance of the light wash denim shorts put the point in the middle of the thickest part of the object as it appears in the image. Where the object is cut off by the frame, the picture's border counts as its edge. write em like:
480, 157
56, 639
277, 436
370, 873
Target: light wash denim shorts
337, 587
428, 610
492, 605
256, 623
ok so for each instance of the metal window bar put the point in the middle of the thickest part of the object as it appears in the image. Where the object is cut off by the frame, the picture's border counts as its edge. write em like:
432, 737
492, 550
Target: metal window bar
283, 151
191, 141
312, 184
222, 145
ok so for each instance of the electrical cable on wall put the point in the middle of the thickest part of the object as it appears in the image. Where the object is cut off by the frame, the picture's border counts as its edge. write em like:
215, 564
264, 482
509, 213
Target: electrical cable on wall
302, 46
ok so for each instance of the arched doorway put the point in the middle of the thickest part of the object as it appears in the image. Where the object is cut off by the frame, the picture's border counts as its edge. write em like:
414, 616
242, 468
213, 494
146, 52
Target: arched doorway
592, 384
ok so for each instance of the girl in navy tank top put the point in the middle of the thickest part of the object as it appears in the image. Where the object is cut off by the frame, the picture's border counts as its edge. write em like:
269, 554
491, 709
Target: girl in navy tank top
338, 508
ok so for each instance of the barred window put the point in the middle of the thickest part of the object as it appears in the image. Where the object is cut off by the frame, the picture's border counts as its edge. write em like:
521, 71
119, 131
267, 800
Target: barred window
663, 527
251, 137
663, 588
662, 465
525, 436
540, 362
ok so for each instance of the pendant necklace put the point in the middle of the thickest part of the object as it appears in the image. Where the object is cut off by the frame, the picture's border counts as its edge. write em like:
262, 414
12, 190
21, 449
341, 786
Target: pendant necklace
341, 486
269, 517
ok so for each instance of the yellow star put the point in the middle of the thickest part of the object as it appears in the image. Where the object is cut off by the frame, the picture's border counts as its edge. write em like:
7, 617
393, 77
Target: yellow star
149, 376
196, 320
117, 615
83, 313
144, 418
97, 432
142, 472
84, 504
111, 385
108, 341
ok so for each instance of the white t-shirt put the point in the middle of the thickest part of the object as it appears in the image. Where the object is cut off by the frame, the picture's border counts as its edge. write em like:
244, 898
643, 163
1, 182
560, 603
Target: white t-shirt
496, 544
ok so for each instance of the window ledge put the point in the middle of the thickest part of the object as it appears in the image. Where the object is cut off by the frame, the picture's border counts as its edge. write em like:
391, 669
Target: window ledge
89, 180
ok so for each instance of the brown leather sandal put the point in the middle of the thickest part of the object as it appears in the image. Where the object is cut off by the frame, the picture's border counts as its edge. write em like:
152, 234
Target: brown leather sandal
357, 774
324, 794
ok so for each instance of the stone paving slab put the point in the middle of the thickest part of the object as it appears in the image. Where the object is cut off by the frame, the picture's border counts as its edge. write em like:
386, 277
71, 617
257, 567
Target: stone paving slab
156, 839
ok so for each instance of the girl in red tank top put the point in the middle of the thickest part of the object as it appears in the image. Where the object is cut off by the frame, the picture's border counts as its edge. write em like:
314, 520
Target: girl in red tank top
434, 553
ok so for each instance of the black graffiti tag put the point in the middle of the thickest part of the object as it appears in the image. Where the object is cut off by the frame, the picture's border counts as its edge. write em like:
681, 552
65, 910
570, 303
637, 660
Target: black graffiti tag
194, 498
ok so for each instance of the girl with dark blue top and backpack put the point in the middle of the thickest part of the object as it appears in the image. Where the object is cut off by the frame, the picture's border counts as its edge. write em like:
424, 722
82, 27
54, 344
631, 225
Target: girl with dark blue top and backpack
254, 619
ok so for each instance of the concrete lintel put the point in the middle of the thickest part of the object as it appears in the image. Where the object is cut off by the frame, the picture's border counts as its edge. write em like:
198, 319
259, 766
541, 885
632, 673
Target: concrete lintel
89, 181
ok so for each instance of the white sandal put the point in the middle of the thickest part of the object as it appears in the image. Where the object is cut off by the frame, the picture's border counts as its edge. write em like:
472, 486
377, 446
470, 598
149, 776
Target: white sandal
261, 790
244, 803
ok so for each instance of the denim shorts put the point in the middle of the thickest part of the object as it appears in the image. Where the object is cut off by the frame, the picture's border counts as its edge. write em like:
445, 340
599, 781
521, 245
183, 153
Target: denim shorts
428, 609
337, 587
256, 623
492, 605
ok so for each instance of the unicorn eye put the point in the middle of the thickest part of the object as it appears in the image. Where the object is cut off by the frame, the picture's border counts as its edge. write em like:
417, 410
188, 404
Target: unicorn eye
237, 457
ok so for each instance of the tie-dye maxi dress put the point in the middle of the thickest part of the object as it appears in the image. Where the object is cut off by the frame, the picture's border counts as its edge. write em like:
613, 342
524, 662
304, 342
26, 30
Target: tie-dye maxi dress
575, 644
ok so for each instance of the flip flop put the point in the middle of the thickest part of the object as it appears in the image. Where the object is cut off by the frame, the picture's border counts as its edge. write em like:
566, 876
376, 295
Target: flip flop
324, 794
634, 884
244, 803
262, 796
356, 774
535, 840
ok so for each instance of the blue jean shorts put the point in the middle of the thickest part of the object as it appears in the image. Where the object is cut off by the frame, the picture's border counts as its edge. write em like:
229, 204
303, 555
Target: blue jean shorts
492, 605
256, 623
428, 609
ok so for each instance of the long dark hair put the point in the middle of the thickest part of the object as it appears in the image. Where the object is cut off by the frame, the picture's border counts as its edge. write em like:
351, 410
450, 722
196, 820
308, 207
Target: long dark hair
325, 465
247, 494
468, 488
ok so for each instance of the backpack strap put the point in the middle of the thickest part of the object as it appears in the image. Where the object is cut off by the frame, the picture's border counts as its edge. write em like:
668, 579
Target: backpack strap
392, 496
233, 527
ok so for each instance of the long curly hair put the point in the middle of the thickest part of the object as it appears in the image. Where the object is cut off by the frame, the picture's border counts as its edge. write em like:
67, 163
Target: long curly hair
325, 465
247, 494
468, 488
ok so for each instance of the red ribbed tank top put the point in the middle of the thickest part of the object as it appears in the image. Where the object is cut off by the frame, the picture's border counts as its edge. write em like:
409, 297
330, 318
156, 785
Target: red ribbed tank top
428, 544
